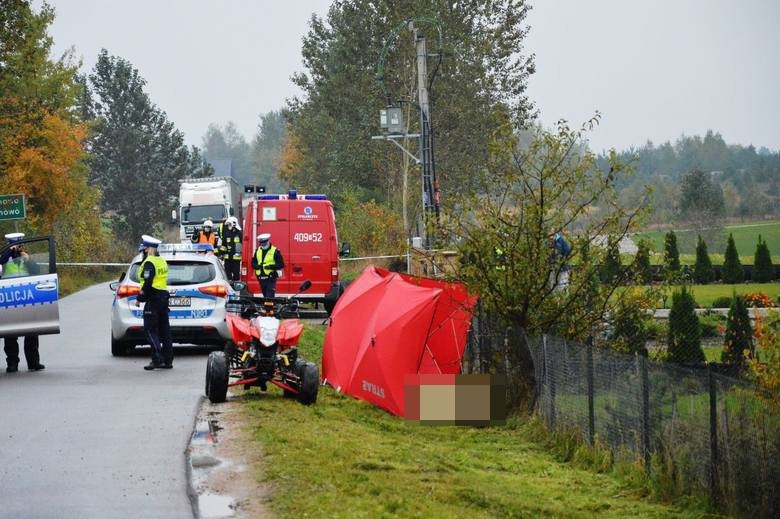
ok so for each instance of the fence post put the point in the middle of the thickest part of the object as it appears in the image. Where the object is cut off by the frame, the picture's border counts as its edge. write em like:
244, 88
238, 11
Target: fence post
591, 409
645, 408
713, 436
550, 376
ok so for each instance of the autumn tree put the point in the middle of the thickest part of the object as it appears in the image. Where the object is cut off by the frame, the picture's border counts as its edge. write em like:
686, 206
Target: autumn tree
525, 196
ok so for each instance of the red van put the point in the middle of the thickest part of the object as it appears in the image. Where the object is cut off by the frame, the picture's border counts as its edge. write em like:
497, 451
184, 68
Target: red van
303, 228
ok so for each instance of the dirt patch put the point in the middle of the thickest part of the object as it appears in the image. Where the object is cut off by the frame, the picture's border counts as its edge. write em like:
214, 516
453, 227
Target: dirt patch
222, 473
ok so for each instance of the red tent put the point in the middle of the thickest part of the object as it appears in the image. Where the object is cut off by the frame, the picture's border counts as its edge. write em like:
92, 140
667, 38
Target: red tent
388, 325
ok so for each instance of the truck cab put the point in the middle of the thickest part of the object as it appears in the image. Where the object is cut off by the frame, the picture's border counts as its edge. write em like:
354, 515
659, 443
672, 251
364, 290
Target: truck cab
303, 228
208, 198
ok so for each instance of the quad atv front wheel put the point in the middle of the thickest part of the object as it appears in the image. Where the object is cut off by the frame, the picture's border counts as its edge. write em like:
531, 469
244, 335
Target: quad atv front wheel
217, 374
310, 383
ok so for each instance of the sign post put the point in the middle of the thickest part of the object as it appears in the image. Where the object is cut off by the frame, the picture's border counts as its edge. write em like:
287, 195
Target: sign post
13, 207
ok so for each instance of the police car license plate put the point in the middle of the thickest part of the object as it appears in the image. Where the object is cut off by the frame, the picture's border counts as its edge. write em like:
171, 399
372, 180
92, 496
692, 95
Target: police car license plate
179, 301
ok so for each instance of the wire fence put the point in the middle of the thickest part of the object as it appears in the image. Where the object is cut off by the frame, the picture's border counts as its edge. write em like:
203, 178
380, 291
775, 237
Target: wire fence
696, 428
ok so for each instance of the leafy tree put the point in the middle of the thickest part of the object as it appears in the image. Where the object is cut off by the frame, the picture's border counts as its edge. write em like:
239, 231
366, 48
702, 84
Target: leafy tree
671, 257
684, 339
642, 269
527, 194
631, 321
739, 334
228, 143
702, 270
701, 199
482, 76
137, 155
267, 149
763, 269
732, 267
41, 137
370, 227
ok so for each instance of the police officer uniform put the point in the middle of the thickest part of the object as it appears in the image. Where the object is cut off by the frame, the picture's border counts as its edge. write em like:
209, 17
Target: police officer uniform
153, 275
15, 264
267, 261
230, 250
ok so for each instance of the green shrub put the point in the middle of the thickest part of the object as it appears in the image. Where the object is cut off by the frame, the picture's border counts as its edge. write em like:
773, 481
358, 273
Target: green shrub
710, 325
763, 270
642, 269
732, 267
739, 334
702, 270
721, 302
684, 339
671, 257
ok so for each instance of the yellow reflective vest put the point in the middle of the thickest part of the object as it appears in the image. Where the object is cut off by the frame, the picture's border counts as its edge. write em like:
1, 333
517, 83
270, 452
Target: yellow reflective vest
160, 281
268, 263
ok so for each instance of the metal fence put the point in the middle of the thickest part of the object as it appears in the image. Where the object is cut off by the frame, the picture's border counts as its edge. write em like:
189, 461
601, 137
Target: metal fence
695, 429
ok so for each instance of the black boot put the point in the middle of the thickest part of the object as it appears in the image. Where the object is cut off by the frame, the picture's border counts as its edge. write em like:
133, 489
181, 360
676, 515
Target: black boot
152, 365
36, 367
12, 368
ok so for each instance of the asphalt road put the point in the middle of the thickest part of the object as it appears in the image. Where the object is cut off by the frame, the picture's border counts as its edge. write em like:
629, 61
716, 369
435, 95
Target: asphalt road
94, 435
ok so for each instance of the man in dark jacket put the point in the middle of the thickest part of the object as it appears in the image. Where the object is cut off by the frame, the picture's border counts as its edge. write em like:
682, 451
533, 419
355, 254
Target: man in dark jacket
230, 250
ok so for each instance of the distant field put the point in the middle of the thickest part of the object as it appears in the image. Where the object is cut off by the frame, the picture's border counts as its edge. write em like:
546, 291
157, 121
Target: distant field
706, 294
745, 238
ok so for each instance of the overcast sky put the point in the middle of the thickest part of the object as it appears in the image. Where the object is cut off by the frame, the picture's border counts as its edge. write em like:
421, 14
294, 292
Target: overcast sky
655, 69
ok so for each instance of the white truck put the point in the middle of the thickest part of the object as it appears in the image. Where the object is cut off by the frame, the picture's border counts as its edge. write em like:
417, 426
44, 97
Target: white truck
208, 198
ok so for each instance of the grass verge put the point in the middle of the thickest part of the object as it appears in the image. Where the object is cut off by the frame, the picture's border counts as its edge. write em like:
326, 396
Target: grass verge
73, 279
344, 458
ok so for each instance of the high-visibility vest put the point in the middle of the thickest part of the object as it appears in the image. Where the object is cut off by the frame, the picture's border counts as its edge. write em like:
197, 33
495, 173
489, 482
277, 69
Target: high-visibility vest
15, 269
267, 264
160, 281
210, 239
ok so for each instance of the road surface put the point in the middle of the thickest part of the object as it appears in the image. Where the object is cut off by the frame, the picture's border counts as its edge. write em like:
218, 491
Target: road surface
94, 435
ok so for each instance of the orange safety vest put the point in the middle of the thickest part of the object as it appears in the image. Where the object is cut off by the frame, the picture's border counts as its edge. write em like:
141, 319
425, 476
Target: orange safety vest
212, 238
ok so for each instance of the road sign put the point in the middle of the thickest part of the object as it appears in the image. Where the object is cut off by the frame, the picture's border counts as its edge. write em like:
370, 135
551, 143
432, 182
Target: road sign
12, 207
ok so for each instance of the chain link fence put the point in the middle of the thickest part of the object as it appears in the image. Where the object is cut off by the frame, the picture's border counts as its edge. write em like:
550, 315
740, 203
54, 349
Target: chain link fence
698, 428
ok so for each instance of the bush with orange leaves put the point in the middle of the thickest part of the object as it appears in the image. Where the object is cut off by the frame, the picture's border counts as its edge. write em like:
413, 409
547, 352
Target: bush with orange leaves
758, 300
766, 366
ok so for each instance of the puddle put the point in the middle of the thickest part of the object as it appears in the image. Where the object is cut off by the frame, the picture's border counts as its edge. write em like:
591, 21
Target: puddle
205, 432
212, 506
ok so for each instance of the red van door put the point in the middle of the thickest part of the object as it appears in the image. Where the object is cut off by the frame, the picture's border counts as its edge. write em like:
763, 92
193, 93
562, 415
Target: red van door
310, 246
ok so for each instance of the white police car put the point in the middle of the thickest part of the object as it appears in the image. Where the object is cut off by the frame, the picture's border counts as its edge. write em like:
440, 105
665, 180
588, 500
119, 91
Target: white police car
29, 288
199, 289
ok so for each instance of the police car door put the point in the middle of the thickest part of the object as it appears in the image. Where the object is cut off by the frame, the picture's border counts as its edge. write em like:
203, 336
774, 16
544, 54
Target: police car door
29, 290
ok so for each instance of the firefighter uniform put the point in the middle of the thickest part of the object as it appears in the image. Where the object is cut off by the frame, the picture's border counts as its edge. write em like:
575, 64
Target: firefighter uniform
153, 275
16, 264
267, 262
230, 249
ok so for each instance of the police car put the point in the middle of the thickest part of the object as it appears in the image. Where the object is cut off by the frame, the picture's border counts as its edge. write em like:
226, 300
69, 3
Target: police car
29, 287
198, 287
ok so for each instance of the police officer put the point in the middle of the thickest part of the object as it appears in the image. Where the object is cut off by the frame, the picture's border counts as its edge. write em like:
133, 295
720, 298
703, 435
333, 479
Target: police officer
230, 250
16, 263
206, 234
267, 261
153, 274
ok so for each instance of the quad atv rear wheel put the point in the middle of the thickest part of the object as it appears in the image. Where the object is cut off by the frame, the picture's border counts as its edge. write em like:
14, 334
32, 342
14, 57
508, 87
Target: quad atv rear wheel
217, 374
310, 383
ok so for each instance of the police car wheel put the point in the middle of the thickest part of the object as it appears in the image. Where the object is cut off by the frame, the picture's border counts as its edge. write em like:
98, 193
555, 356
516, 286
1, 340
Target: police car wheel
217, 374
310, 384
120, 349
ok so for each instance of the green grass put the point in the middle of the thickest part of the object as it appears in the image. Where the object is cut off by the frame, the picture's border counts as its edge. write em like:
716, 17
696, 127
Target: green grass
706, 294
73, 279
345, 458
745, 239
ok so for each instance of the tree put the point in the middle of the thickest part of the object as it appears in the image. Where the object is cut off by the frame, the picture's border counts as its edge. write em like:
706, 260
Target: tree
525, 196
702, 270
228, 143
739, 334
482, 77
763, 269
267, 149
137, 155
671, 257
732, 267
684, 338
41, 137
612, 267
642, 269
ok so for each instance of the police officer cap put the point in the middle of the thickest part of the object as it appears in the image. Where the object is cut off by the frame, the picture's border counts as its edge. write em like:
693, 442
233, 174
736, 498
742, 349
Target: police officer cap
149, 241
264, 237
14, 237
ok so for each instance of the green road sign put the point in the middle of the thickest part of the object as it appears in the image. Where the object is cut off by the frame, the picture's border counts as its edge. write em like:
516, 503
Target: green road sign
12, 207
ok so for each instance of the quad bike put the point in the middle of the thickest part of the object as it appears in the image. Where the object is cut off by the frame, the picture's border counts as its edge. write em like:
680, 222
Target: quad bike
264, 349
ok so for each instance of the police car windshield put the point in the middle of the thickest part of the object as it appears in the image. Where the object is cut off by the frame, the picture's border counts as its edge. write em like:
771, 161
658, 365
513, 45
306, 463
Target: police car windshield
183, 272
197, 214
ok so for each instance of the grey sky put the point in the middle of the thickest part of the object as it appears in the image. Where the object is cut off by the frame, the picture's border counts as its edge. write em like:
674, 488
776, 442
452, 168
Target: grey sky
655, 69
